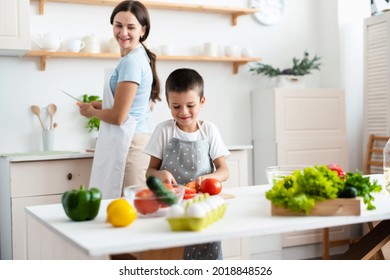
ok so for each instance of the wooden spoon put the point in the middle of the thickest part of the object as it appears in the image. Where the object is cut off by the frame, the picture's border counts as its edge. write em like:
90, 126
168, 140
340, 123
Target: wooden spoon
37, 111
52, 109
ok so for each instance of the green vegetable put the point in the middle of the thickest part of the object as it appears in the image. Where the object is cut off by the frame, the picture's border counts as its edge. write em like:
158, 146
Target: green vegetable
159, 189
348, 192
81, 204
93, 123
363, 187
300, 191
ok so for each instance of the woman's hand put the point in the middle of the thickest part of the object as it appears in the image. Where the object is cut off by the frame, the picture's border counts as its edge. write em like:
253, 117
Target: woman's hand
86, 109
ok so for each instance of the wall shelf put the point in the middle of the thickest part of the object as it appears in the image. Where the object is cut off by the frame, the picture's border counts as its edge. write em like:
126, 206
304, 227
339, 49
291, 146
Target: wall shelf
233, 12
44, 55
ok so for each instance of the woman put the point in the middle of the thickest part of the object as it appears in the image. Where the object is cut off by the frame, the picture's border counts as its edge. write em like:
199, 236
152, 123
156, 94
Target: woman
131, 90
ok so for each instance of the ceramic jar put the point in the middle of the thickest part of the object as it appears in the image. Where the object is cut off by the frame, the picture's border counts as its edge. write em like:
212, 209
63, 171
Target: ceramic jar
113, 46
92, 44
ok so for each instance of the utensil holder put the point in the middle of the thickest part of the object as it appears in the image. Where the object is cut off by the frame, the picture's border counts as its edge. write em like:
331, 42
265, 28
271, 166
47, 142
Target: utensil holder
48, 140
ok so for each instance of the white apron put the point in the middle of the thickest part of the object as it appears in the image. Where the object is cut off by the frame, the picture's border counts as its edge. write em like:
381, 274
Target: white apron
112, 146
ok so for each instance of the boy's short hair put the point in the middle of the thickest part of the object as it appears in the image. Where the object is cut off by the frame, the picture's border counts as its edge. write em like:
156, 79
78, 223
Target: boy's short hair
184, 79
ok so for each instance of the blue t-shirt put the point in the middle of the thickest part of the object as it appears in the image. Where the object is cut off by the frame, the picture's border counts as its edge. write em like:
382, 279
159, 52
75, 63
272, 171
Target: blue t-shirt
135, 67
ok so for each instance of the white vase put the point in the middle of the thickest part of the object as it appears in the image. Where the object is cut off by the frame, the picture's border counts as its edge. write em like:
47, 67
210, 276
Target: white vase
290, 81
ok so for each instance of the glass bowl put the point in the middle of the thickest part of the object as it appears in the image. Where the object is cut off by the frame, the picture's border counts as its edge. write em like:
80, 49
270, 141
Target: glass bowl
277, 173
147, 203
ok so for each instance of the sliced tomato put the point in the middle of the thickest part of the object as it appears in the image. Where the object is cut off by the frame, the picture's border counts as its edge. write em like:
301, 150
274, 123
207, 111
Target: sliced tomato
193, 185
189, 195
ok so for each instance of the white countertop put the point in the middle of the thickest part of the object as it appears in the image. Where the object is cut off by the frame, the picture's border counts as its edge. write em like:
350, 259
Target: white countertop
55, 155
248, 214
48, 155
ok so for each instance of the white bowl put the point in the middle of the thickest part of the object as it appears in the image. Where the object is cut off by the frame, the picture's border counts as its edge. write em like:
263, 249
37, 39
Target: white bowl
146, 203
277, 173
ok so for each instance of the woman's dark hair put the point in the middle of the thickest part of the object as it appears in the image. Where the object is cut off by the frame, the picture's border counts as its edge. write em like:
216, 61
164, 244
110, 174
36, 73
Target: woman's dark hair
184, 79
142, 15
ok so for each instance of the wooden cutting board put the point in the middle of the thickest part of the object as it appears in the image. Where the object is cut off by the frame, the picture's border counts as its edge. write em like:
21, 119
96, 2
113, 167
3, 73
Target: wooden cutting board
330, 207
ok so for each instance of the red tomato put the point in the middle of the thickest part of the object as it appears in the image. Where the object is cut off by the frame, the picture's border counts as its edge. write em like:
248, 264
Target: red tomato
193, 185
211, 186
147, 202
335, 167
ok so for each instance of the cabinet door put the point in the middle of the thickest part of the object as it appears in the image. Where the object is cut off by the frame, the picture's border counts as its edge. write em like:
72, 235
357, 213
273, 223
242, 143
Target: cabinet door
38, 183
14, 27
35, 178
313, 152
238, 169
309, 114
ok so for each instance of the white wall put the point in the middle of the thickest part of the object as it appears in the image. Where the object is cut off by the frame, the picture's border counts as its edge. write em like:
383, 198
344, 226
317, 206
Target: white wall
22, 83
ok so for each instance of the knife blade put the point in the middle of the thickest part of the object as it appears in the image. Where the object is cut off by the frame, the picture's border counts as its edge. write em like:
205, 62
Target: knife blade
68, 94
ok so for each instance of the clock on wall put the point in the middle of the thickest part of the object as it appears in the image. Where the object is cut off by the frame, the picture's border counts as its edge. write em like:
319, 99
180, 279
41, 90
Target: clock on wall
270, 11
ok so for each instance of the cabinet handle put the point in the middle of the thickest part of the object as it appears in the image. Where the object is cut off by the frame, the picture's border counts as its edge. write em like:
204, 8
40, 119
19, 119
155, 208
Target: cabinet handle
70, 176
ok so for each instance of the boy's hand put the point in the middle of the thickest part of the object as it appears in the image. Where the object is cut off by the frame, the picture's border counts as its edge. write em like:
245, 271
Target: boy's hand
166, 177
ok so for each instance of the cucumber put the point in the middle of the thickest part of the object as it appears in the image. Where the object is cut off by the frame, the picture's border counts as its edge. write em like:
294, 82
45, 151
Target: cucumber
159, 189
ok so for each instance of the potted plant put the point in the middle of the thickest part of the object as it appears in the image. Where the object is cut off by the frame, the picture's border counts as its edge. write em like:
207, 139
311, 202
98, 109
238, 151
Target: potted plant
300, 68
93, 123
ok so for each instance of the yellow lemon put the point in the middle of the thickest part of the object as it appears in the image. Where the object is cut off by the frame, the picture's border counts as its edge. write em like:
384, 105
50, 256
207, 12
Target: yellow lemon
121, 213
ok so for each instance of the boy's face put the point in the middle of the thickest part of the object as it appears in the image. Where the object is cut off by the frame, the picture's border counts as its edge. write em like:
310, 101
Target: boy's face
185, 108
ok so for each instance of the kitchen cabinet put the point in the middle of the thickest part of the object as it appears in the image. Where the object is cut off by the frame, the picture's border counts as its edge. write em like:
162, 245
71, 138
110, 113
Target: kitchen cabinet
14, 27
299, 127
233, 12
27, 180
238, 164
376, 101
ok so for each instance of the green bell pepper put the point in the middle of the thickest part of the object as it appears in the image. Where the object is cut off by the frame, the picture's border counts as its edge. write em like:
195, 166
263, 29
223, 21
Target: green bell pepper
81, 204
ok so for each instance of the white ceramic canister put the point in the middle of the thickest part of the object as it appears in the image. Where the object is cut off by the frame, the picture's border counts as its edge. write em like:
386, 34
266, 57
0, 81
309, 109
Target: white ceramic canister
232, 51
210, 49
113, 46
92, 44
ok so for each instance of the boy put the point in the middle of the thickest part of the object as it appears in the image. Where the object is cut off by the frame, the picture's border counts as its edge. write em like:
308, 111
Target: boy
185, 149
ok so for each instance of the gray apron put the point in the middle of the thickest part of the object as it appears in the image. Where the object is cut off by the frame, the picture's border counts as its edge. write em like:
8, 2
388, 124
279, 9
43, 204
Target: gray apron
186, 161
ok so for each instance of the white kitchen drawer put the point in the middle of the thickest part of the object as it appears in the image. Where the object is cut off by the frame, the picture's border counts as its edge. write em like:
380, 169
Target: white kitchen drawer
48, 177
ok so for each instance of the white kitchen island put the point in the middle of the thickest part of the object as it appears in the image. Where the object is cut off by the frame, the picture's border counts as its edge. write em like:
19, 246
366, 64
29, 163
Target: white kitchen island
247, 215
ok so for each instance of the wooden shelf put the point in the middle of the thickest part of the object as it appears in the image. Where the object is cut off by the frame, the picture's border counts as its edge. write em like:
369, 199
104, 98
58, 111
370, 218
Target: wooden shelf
44, 55
233, 12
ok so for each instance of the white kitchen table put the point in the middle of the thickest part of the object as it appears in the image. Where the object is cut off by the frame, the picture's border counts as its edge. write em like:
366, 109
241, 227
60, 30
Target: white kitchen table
247, 215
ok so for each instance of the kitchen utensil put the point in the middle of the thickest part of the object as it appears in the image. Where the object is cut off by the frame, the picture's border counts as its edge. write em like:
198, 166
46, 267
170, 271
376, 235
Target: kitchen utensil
48, 140
52, 109
45, 118
68, 94
36, 111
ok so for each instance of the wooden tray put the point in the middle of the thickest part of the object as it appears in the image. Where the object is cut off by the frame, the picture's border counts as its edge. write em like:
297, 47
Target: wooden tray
330, 207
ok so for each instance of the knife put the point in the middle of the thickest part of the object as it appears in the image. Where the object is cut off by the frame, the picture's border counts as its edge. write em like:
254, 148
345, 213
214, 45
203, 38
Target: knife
71, 95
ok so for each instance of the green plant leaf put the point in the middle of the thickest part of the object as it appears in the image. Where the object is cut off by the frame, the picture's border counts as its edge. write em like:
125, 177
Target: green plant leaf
93, 123
300, 67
